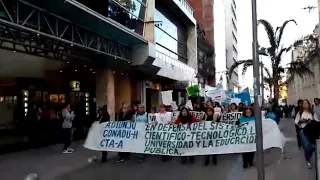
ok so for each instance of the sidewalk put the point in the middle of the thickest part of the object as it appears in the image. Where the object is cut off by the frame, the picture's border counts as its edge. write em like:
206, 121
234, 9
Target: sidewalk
291, 166
47, 162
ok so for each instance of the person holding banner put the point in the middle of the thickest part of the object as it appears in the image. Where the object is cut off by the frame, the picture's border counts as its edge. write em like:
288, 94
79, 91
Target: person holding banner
125, 115
164, 117
185, 117
141, 116
210, 116
233, 107
247, 116
103, 116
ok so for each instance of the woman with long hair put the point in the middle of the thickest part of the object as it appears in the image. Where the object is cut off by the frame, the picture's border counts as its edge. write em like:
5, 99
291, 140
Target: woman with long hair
210, 116
186, 118
303, 119
247, 116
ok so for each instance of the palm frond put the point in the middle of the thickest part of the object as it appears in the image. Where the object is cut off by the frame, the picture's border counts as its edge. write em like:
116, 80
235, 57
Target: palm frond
281, 30
247, 64
235, 65
271, 36
299, 68
268, 81
282, 51
269, 75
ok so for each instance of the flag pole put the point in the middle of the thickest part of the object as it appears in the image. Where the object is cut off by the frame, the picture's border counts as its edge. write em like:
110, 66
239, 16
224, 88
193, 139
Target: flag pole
256, 88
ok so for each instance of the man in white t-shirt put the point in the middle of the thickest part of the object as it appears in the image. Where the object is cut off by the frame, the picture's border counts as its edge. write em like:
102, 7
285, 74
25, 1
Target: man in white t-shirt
163, 116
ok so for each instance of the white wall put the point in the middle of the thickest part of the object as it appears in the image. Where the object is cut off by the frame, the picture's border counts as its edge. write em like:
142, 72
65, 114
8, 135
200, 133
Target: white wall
219, 42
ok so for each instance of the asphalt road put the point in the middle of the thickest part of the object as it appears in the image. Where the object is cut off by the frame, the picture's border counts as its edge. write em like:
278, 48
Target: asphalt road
49, 163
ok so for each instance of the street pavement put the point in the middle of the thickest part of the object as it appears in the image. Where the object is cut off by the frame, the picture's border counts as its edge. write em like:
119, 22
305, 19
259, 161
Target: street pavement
50, 164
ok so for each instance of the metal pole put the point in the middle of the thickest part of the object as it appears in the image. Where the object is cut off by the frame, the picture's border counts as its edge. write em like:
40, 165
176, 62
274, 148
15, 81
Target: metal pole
256, 87
262, 82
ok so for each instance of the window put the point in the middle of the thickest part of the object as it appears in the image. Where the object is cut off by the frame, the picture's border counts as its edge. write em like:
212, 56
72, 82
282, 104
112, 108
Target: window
234, 3
234, 49
234, 37
129, 13
233, 12
170, 38
234, 25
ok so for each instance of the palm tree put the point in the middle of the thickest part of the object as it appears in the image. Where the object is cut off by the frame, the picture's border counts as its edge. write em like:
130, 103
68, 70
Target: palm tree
275, 52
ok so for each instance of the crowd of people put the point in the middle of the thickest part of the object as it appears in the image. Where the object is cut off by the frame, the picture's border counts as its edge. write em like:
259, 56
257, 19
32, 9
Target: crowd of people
164, 115
306, 118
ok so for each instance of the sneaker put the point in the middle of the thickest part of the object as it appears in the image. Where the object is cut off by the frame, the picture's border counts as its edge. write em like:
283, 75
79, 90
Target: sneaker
66, 152
309, 165
120, 161
70, 149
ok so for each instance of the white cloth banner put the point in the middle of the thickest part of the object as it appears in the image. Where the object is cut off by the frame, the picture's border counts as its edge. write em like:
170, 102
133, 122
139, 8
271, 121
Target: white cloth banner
218, 94
181, 140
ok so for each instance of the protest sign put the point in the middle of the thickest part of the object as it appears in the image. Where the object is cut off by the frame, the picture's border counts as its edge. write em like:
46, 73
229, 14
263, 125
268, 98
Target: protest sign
181, 140
198, 114
230, 118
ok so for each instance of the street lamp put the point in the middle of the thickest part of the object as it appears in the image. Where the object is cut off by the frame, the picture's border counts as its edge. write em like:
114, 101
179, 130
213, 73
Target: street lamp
256, 88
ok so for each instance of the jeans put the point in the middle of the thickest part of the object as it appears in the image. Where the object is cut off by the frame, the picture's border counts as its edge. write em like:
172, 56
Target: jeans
67, 132
307, 146
298, 136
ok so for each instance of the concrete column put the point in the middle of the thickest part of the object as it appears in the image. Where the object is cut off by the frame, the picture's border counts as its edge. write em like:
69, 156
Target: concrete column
192, 47
105, 91
148, 32
179, 98
143, 93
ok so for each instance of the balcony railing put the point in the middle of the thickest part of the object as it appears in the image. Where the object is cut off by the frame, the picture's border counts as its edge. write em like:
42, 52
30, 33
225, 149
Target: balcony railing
187, 6
175, 62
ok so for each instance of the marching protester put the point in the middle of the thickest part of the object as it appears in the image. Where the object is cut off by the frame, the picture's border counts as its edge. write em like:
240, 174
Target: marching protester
141, 116
125, 115
103, 116
241, 107
186, 118
316, 107
210, 116
164, 117
297, 110
68, 117
152, 115
246, 117
306, 121
271, 114
233, 107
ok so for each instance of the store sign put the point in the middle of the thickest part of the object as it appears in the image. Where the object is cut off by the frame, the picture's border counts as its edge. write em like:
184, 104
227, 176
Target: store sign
75, 85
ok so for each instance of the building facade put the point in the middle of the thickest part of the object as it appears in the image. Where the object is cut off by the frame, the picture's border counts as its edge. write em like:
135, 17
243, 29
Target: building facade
89, 54
204, 14
231, 42
306, 87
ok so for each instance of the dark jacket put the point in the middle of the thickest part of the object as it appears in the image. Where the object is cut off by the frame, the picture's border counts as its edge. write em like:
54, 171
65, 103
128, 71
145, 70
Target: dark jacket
125, 117
312, 131
104, 118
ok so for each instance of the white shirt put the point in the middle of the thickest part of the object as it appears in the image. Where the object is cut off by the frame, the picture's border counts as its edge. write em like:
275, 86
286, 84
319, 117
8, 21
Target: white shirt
302, 120
164, 118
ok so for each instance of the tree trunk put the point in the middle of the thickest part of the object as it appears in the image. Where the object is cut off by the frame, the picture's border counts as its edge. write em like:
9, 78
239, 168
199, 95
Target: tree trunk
276, 91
